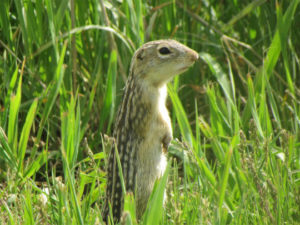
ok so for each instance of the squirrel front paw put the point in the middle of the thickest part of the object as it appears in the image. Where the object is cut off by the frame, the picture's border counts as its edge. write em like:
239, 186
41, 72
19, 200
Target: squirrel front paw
166, 142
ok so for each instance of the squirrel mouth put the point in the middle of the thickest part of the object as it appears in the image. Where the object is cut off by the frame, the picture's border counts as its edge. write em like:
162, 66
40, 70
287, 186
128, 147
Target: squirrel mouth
184, 68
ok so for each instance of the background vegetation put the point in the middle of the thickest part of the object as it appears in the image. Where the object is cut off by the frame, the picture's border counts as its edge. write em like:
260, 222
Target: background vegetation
235, 114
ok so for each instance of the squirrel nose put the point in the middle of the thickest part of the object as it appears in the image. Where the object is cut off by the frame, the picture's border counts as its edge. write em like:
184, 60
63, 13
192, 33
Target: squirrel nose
194, 56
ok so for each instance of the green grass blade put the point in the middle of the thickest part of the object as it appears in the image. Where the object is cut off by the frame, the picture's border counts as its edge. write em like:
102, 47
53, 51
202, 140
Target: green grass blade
76, 30
52, 27
273, 104
12, 84
155, 205
244, 12
4, 21
31, 23
181, 116
15, 101
22, 20
70, 129
129, 209
9, 213
225, 175
253, 107
67, 128
283, 26
221, 77
263, 112
62, 10
197, 132
219, 120
25, 134
120, 170
275, 47
71, 183
207, 172
108, 109
140, 22
53, 92
28, 210
76, 134
34, 166
6, 152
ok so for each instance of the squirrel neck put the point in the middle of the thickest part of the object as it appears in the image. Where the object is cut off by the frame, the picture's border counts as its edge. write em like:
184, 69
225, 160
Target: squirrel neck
154, 95
141, 100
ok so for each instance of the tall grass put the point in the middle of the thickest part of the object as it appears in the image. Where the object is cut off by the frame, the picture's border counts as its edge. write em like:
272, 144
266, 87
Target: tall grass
235, 115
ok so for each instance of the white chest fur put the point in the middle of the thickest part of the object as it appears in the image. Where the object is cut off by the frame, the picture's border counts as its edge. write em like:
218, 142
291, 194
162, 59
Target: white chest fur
152, 161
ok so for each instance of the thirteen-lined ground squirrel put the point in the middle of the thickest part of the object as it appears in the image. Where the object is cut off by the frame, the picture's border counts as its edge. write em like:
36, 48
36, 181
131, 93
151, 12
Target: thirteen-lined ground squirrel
143, 127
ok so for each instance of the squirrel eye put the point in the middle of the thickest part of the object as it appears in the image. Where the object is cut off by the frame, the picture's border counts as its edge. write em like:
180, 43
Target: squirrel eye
164, 51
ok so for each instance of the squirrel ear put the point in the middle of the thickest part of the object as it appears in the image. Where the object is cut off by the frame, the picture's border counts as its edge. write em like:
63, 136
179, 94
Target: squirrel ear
140, 54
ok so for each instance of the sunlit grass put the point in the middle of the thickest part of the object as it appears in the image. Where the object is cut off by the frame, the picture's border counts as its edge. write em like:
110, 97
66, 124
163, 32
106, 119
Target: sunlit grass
235, 157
